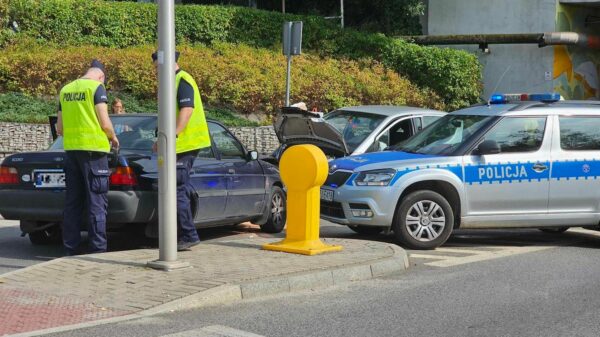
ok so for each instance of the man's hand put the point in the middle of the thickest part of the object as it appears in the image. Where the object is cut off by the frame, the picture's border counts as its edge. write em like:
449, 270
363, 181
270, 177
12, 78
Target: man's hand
155, 147
115, 142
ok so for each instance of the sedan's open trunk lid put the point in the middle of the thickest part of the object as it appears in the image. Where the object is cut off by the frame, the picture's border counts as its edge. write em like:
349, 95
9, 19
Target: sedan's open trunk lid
296, 126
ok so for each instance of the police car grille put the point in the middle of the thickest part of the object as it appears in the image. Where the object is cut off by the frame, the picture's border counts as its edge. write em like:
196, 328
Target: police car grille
337, 178
332, 209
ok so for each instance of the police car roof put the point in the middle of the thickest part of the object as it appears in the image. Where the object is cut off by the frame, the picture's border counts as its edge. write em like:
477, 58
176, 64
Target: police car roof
389, 110
532, 108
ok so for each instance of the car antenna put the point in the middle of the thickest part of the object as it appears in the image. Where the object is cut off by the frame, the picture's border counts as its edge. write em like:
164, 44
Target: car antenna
499, 82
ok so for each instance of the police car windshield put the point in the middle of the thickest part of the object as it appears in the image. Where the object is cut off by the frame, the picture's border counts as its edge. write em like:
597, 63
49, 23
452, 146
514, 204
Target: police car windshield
355, 127
445, 135
136, 133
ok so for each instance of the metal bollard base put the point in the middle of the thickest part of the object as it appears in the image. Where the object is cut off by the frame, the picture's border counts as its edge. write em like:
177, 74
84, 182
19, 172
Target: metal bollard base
168, 266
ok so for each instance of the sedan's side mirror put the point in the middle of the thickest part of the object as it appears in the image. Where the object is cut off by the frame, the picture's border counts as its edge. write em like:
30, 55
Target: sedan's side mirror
253, 155
487, 147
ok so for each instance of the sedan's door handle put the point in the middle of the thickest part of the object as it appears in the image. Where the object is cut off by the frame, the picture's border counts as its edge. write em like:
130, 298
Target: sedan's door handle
539, 167
231, 171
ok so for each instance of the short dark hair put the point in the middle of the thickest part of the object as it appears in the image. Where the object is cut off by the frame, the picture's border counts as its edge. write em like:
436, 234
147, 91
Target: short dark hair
155, 56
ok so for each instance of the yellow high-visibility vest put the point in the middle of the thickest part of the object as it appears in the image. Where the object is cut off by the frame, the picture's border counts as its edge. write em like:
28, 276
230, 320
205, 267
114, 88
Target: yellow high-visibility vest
195, 135
81, 128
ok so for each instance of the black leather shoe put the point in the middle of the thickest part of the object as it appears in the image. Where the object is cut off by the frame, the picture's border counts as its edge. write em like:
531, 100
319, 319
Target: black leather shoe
184, 245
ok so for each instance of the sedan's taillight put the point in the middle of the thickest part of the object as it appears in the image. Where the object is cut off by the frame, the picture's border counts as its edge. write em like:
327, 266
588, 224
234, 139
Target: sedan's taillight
123, 176
8, 176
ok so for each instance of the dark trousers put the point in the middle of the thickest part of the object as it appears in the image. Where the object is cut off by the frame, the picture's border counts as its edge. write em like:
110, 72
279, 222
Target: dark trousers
86, 175
186, 230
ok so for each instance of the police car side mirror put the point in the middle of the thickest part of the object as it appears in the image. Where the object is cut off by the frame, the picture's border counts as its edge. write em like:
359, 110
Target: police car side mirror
487, 147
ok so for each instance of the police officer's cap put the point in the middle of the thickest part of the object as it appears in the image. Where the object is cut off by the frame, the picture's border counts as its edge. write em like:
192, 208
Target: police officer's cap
155, 56
99, 65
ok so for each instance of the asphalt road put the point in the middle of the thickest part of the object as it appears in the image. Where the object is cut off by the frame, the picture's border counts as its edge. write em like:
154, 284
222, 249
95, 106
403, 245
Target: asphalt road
548, 289
481, 283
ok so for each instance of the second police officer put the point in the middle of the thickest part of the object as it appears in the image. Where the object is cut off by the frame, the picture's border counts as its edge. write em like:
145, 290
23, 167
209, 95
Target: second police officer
87, 136
192, 135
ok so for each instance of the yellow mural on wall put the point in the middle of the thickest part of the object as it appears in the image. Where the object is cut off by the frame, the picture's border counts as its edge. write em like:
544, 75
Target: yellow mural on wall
576, 69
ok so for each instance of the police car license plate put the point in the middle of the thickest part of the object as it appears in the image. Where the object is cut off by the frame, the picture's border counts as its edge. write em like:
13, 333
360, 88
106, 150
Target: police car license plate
49, 179
326, 195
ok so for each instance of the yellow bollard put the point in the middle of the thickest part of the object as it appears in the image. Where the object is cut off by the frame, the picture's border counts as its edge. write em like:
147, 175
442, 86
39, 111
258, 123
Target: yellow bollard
303, 170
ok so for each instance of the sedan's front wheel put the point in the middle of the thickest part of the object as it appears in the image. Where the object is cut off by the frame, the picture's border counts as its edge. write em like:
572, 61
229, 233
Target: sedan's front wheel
424, 220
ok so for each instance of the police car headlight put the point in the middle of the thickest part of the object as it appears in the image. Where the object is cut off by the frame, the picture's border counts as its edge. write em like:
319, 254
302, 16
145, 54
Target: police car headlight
375, 178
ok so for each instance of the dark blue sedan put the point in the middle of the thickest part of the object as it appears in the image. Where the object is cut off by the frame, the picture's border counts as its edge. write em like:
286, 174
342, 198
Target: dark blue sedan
231, 185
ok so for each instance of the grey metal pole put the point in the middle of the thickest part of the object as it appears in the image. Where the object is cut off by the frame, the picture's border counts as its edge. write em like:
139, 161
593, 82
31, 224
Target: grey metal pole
283, 6
288, 80
342, 12
167, 205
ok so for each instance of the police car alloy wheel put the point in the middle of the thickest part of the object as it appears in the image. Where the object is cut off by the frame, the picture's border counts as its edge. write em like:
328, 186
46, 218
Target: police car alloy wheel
424, 220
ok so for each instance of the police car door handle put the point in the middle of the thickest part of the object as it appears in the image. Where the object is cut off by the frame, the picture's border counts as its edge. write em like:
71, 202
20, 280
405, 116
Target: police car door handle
231, 171
538, 167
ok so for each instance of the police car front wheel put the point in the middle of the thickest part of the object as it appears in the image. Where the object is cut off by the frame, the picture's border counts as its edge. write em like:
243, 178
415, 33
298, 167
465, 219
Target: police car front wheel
424, 220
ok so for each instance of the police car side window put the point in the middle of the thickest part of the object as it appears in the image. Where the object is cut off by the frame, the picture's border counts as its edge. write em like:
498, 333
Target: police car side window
429, 119
579, 133
518, 134
228, 146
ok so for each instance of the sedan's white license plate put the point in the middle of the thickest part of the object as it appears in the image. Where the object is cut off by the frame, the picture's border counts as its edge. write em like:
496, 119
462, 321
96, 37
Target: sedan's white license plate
326, 195
49, 179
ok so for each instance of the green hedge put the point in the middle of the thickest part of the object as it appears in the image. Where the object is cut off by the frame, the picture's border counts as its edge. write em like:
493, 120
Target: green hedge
453, 75
238, 77
123, 24
17, 107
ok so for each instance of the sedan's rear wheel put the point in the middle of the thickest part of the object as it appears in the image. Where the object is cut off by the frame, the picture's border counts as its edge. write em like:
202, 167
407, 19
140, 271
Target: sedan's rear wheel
423, 220
277, 212
48, 236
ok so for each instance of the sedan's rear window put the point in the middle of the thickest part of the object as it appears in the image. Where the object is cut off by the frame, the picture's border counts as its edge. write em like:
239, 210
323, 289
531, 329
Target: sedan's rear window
134, 132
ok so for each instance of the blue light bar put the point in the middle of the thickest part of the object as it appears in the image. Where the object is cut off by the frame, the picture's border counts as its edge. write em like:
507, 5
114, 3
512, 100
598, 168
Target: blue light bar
506, 98
497, 99
549, 97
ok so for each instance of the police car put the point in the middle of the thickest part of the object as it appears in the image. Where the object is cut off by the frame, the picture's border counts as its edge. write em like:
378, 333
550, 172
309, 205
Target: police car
530, 160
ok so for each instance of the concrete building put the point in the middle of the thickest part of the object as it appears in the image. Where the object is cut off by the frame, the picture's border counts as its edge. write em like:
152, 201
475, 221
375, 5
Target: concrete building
572, 70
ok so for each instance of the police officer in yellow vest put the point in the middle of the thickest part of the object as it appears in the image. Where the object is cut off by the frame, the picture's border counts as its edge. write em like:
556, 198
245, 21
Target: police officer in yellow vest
192, 135
87, 137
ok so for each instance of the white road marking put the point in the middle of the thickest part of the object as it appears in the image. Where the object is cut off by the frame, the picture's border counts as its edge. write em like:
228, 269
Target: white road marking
455, 261
461, 251
214, 331
432, 257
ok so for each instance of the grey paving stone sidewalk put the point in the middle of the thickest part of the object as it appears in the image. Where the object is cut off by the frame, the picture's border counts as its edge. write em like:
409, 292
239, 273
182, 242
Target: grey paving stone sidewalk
119, 283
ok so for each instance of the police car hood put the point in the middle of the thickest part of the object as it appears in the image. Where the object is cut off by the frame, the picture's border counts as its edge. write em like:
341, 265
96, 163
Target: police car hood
392, 158
295, 126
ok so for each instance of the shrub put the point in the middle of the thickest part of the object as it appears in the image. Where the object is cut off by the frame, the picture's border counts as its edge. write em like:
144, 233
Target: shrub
16, 107
453, 75
238, 77
25, 109
456, 74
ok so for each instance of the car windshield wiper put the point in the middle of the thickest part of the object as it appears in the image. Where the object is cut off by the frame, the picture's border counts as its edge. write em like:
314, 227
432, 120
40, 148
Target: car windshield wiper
405, 150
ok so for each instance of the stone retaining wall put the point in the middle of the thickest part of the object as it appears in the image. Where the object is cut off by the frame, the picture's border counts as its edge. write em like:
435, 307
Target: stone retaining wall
20, 137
